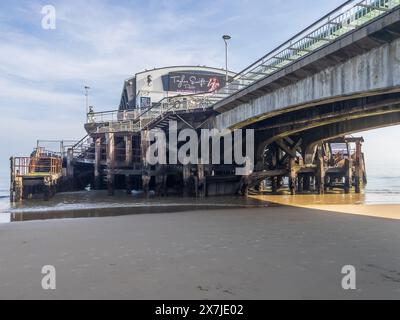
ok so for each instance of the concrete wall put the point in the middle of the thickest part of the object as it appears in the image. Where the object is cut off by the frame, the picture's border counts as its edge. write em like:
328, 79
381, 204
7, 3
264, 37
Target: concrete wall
370, 73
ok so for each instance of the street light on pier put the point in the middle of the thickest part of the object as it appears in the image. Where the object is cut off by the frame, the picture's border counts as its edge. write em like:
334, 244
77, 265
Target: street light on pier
226, 38
87, 98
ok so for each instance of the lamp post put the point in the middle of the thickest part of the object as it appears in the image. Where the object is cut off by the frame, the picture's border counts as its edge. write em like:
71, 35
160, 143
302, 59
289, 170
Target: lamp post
87, 98
226, 38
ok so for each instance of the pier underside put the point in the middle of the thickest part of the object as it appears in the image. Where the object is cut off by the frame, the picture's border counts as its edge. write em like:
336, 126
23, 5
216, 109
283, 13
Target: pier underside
292, 163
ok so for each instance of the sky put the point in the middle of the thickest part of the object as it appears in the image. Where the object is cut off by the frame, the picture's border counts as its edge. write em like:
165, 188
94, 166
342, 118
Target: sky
101, 43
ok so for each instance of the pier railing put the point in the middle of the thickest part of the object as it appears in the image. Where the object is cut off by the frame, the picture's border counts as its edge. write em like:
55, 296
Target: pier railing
135, 120
111, 116
36, 166
54, 148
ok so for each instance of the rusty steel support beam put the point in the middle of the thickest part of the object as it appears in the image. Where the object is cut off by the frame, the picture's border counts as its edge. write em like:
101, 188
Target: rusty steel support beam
348, 176
186, 178
320, 176
97, 159
128, 150
201, 181
110, 151
70, 167
145, 165
358, 168
293, 175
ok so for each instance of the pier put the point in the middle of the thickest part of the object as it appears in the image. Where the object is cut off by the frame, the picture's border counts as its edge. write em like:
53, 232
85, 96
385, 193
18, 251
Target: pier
304, 101
38, 174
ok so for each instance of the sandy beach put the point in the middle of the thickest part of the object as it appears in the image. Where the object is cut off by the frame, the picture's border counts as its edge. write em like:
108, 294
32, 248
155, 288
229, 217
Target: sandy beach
280, 252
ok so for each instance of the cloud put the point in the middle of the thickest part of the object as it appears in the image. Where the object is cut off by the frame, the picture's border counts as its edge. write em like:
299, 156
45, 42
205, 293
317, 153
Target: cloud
27, 95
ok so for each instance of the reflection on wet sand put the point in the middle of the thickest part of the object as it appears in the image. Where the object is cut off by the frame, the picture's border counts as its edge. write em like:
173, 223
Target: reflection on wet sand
97, 204
343, 203
314, 199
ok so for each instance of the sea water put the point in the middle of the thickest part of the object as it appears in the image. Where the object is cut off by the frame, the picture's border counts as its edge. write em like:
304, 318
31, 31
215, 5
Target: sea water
383, 188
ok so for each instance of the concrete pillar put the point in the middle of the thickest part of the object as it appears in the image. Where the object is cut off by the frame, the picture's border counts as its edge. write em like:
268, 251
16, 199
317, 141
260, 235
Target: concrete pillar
327, 183
279, 182
128, 162
313, 184
146, 184
110, 151
18, 189
358, 168
159, 180
186, 178
12, 179
128, 183
128, 150
49, 188
144, 145
97, 160
320, 174
70, 167
201, 181
300, 183
306, 183
348, 176
363, 170
244, 186
16, 183
164, 185
275, 159
293, 176
274, 184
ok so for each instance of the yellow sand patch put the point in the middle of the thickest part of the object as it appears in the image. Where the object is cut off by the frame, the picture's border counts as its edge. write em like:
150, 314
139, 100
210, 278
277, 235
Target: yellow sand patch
343, 203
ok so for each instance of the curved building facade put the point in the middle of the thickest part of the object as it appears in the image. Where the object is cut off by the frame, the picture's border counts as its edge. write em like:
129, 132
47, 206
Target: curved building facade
151, 86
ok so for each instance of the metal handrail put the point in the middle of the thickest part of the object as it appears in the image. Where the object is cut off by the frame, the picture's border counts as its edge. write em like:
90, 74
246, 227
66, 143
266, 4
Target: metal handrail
62, 146
157, 109
36, 165
80, 142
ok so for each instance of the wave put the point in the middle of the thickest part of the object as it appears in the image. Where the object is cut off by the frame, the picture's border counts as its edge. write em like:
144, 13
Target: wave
382, 191
91, 206
384, 177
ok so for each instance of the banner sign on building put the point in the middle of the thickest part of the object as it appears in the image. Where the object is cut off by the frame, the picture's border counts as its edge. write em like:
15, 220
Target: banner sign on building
193, 82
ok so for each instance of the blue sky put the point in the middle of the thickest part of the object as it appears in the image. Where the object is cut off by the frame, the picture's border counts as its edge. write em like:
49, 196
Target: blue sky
100, 43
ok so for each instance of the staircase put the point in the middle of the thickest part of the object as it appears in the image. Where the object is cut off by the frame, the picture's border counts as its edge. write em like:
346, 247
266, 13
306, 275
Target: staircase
83, 150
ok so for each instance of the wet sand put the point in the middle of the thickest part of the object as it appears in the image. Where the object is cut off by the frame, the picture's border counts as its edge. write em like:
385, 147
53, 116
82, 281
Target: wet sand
339, 203
259, 253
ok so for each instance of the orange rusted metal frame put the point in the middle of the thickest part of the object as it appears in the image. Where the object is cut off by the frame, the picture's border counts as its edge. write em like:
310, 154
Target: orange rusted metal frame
37, 165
